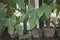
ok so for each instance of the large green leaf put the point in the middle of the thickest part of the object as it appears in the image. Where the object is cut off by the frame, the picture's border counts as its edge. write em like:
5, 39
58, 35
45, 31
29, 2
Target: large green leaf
21, 4
48, 11
1, 26
35, 14
33, 20
19, 29
45, 9
31, 16
11, 23
12, 3
39, 12
3, 23
3, 10
11, 30
30, 11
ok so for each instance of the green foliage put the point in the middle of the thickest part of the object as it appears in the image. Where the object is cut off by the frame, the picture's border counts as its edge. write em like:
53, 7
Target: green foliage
12, 3
19, 29
58, 6
47, 22
3, 10
1, 0
32, 15
58, 2
33, 21
58, 10
29, 14
12, 21
11, 24
21, 4
45, 9
3, 23
58, 25
47, 1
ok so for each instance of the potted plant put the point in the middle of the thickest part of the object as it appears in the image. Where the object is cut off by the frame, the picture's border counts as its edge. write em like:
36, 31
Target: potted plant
12, 22
49, 30
58, 15
58, 28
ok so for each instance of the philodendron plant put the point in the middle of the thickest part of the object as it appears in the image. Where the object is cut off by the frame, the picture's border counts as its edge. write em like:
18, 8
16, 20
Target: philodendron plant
34, 14
13, 22
10, 23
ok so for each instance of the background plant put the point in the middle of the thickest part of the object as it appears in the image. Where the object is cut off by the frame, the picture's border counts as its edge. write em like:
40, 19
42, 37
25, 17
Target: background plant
8, 19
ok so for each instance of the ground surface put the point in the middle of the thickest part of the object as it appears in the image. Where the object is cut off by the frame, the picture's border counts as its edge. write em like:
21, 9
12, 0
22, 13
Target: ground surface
44, 38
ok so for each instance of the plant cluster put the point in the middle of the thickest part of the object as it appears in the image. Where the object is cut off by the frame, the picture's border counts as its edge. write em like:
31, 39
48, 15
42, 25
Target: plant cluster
32, 15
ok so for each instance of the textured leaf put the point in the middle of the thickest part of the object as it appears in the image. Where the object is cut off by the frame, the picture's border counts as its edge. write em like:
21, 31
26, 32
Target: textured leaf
4, 22
48, 11
33, 16
1, 26
48, 1
21, 4
39, 12
45, 9
32, 23
11, 30
19, 29
11, 22
12, 3
2, 10
30, 11
33, 20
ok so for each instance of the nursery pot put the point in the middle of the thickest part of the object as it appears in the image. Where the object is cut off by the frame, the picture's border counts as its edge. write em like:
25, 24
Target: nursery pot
58, 32
49, 31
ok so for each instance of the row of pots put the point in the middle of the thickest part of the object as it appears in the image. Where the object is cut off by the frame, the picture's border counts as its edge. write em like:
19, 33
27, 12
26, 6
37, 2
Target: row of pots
51, 31
48, 32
